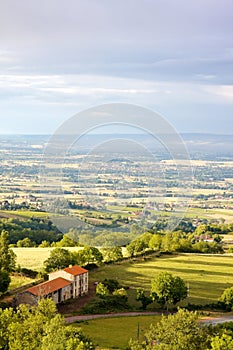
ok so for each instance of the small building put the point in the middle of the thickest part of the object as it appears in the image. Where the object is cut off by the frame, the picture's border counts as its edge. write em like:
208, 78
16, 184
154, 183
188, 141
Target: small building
77, 275
68, 283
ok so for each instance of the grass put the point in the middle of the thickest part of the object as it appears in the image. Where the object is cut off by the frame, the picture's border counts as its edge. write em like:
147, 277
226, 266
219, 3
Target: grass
115, 333
33, 258
206, 275
18, 281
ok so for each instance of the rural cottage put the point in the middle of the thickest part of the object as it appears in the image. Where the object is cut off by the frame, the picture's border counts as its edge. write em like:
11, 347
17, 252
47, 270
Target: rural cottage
68, 283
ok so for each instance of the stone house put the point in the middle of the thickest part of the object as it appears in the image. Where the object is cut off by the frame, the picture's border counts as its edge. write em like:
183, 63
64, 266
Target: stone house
68, 283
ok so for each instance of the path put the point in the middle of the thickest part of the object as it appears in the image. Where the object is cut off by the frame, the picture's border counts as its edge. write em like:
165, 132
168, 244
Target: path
72, 319
214, 320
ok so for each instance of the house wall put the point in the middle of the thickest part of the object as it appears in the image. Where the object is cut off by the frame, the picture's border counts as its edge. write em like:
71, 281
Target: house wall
61, 273
25, 298
80, 285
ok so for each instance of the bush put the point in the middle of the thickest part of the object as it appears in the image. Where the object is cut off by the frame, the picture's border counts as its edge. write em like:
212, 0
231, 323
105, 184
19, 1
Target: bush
107, 304
28, 272
111, 284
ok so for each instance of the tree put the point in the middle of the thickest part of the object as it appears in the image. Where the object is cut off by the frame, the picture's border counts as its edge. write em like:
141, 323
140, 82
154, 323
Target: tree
44, 244
155, 242
7, 261
102, 290
121, 292
7, 256
4, 281
111, 284
26, 242
222, 342
227, 297
180, 331
59, 259
145, 300
39, 328
168, 289
66, 241
112, 254
91, 255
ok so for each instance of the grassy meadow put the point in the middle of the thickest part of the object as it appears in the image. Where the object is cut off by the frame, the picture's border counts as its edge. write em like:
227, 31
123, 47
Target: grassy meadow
116, 332
206, 275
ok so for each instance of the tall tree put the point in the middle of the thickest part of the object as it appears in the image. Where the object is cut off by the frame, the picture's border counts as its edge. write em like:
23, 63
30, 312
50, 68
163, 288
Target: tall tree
7, 256
39, 328
7, 261
168, 289
180, 331
59, 259
227, 298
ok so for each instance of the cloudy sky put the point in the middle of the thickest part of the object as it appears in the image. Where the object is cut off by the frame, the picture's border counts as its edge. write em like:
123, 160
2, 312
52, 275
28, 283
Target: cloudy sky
60, 57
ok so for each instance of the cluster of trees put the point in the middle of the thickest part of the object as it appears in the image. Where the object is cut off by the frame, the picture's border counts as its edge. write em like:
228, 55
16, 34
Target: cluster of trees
182, 331
110, 297
35, 229
60, 258
39, 328
165, 289
7, 262
176, 241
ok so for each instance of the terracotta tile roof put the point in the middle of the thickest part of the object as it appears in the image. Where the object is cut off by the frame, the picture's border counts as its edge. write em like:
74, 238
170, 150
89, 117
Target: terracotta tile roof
45, 288
75, 270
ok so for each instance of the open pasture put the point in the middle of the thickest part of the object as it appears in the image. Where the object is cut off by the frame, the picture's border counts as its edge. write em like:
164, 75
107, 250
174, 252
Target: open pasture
206, 275
116, 332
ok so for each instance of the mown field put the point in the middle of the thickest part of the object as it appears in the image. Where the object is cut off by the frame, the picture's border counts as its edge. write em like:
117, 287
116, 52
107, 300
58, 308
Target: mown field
116, 332
206, 275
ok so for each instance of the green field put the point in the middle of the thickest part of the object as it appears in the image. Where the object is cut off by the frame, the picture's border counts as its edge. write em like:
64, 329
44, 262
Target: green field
116, 332
206, 275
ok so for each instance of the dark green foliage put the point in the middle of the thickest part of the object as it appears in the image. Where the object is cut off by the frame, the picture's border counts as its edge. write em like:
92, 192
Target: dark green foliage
27, 272
90, 255
36, 229
111, 284
4, 281
7, 256
111, 303
7, 262
145, 300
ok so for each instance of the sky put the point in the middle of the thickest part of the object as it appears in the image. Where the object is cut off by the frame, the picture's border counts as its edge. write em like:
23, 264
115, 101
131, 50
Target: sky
60, 57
